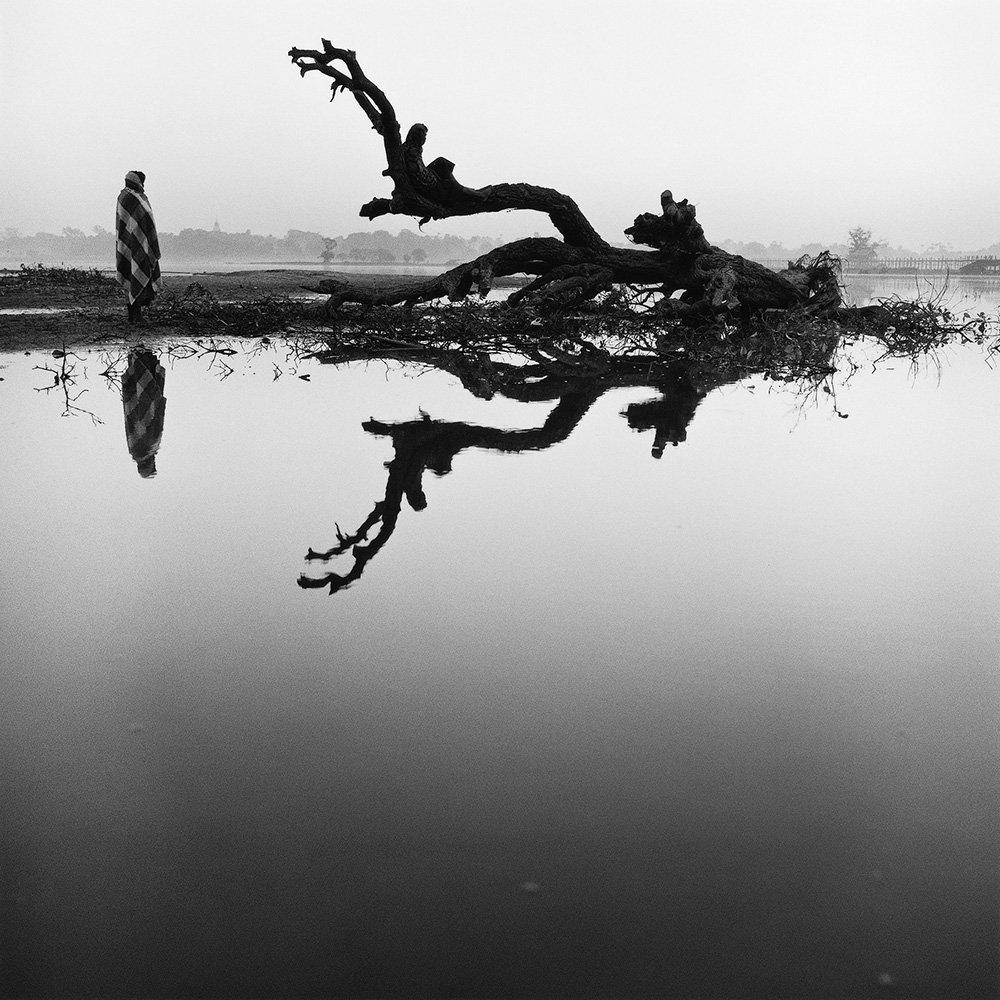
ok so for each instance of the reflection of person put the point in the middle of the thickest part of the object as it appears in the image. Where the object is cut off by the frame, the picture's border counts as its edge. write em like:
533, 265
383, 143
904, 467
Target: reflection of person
137, 251
145, 406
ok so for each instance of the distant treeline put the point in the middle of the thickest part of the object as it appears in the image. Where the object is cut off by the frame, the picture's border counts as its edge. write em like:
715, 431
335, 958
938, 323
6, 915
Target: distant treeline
191, 245
755, 250
97, 247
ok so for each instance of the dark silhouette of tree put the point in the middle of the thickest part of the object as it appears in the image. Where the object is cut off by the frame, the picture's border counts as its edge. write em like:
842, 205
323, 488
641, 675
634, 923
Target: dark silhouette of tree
569, 270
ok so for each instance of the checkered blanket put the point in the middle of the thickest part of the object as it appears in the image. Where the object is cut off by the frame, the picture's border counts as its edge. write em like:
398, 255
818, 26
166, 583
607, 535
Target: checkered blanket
137, 252
145, 407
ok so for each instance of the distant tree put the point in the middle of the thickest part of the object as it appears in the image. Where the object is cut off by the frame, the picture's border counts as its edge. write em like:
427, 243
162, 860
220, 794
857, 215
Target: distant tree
863, 247
419, 256
73, 234
327, 254
357, 254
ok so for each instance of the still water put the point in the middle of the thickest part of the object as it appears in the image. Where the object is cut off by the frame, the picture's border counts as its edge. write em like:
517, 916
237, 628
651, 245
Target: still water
722, 724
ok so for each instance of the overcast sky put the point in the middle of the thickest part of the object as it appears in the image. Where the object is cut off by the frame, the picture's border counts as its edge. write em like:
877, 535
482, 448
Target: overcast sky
780, 121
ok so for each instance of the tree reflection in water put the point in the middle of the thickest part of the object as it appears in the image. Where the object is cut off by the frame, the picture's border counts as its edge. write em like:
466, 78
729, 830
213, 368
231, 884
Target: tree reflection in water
426, 444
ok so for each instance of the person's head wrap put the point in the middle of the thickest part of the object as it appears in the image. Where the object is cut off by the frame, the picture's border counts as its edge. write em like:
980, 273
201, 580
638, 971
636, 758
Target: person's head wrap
135, 179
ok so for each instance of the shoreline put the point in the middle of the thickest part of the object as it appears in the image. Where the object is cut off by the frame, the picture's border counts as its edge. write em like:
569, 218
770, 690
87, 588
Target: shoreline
95, 315
235, 286
57, 315
64, 315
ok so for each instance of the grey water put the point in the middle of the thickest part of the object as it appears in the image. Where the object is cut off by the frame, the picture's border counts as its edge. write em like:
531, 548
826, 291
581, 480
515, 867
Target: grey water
589, 723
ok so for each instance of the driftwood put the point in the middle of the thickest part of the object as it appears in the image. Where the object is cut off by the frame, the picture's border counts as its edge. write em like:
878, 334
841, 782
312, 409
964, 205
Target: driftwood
708, 281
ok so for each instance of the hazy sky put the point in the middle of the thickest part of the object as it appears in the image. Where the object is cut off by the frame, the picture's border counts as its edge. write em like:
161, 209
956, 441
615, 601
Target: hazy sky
789, 121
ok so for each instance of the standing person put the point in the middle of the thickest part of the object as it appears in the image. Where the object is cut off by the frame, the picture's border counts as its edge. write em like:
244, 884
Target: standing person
137, 252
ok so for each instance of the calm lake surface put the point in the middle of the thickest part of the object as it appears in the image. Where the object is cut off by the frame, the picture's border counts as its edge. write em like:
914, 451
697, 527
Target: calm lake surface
722, 724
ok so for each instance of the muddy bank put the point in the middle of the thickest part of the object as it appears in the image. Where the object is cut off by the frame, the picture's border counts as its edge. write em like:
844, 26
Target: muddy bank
236, 286
74, 307
88, 312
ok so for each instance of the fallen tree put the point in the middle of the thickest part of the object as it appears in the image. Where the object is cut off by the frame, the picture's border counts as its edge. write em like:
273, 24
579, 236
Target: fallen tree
708, 281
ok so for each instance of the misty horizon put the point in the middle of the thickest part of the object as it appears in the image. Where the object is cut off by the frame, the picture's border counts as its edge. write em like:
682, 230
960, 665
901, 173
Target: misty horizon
189, 242
844, 114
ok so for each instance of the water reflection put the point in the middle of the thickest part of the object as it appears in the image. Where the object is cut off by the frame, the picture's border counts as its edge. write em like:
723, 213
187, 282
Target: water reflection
145, 407
669, 415
649, 719
425, 444
958, 292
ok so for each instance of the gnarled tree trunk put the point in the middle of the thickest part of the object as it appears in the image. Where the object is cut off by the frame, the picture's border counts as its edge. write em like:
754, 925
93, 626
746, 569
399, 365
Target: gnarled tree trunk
569, 270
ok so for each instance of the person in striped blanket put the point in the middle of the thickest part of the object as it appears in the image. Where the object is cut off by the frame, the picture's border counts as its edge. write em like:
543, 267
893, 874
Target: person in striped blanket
137, 251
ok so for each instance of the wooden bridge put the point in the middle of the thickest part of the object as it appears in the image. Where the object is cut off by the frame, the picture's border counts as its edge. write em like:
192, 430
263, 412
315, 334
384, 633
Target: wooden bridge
977, 265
